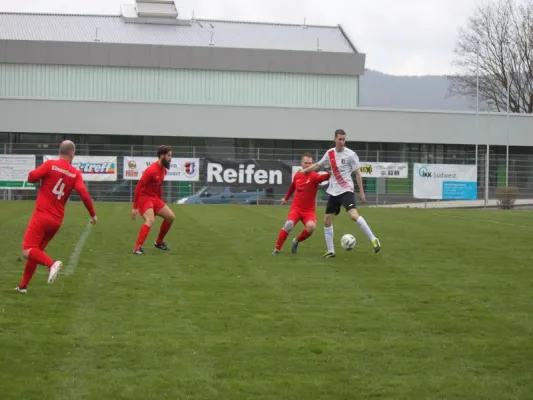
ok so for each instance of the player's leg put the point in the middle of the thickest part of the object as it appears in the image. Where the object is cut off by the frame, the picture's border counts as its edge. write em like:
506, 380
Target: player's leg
350, 206
283, 234
37, 236
333, 207
30, 268
309, 221
168, 216
147, 212
50, 232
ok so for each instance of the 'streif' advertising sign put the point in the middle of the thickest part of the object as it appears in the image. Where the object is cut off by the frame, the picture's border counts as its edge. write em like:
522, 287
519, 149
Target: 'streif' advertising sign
14, 170
258, 173
94, 168
445, 181
181, 169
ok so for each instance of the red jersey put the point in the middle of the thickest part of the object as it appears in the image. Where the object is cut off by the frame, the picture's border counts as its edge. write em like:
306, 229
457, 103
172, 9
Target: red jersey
58, 178
306, 186
150, 184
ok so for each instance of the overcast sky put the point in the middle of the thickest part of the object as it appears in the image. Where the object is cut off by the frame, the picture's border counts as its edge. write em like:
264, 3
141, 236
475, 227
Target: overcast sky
410, 37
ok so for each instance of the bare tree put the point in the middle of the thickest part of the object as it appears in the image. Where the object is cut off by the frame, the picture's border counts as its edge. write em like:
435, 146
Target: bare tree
497, 46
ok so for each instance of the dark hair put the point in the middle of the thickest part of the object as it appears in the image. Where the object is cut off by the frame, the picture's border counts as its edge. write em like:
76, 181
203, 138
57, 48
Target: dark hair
307, 154
340, 132
163, 150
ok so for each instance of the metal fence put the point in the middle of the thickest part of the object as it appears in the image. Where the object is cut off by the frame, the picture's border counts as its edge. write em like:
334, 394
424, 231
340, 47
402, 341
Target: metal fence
492, 171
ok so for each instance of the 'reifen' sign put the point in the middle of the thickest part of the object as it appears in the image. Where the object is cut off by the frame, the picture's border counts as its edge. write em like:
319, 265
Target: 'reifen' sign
249, 172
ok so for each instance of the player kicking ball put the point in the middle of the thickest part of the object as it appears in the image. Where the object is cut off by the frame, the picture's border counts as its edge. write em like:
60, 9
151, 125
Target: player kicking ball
303, 205
58, 178
343, 162
148, 200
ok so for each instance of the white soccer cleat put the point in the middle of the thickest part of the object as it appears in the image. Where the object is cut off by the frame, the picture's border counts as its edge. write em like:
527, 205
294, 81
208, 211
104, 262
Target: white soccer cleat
54, 270
21, 290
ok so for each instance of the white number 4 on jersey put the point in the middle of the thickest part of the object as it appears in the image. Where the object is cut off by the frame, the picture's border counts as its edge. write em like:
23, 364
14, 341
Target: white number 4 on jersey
59, 189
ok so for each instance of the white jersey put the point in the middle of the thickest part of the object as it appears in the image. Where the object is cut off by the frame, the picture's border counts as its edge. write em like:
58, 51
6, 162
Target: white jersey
342, 165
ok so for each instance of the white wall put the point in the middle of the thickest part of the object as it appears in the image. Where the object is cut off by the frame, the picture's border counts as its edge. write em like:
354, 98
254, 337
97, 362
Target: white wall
77, 117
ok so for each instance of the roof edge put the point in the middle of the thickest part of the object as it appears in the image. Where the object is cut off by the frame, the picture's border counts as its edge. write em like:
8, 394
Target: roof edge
59, 14
350, 42
118, 15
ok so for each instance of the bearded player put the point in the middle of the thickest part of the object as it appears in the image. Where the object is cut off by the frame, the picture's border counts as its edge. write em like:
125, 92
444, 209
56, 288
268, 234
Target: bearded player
58, 178
303, 205
343, 162
148, 200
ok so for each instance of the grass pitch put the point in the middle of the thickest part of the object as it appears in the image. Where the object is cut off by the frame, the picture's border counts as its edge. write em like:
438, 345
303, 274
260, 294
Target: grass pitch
443, 312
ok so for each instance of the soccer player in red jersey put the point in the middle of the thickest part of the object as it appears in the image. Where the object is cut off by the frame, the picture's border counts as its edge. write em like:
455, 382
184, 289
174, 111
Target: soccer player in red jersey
303, 205
148, 200
58, 178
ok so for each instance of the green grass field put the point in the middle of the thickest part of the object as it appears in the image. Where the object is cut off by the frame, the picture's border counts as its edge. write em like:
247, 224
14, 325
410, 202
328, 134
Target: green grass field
443, 312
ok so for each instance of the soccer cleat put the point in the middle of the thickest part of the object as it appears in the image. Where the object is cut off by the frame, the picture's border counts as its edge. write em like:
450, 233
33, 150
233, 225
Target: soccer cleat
329, 254
377, 245
54, 270
294, 246
21, 289
162, 246
275, 252
139, 251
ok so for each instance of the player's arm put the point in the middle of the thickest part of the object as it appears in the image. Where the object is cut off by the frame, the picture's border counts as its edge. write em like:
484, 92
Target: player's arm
40, 172
145, 179
322, 163
359, 180
322, 177
289, 193
358, 177
80, 188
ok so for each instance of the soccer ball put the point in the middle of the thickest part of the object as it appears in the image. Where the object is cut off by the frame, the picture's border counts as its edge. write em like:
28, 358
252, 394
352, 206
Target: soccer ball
348, 242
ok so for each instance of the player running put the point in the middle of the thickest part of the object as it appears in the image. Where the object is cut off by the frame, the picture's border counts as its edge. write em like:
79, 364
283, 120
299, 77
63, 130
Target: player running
343, 162
58, 178
148, 200
303, 205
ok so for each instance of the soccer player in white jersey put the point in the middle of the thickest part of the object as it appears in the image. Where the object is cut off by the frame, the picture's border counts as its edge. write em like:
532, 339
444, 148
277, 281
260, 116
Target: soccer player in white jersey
343, 162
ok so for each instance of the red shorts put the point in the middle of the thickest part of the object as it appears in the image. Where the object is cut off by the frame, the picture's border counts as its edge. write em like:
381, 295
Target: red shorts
151, 202
304, 216
39, 233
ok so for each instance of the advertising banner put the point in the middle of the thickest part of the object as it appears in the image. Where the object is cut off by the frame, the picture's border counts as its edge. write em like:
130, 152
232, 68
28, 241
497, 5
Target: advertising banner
375, 170
384, 170
445, 181
252, 173
181, 169
94, 168
14, 170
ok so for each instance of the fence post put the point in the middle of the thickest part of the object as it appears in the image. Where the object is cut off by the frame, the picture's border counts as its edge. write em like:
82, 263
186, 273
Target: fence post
377, 181
6, 191
487, 166
193, 184
258, 151
131, 181
507, 165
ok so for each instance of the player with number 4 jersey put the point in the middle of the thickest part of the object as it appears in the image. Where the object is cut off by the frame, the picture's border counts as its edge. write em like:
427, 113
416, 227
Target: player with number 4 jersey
58, 178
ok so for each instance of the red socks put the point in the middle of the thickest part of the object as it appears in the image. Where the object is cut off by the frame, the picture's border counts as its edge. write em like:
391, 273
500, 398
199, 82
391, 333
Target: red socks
143, 233
29, 270
165, 227
284, 235
281, 239
40, 257
304, 235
